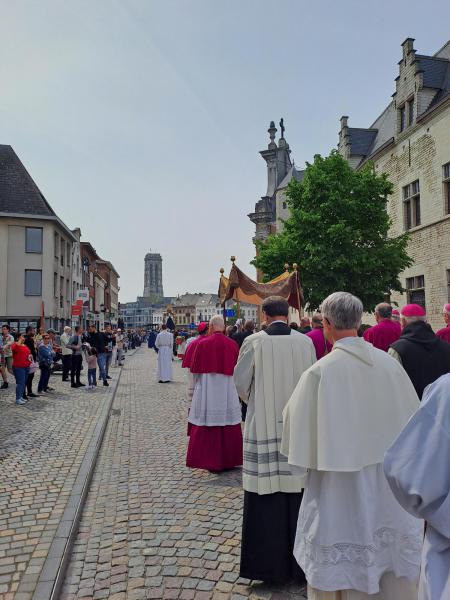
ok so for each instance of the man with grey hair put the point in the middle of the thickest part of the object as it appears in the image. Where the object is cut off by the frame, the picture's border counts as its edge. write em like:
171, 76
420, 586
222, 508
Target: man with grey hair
424, 356
386, 331
354, 541
269, 367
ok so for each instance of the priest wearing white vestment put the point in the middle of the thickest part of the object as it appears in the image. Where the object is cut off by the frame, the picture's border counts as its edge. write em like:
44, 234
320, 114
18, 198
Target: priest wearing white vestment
164, 343
417, 467
269, 367
354, 541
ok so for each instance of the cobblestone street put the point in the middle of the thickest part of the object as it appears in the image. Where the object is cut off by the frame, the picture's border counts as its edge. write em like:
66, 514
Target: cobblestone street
151, 528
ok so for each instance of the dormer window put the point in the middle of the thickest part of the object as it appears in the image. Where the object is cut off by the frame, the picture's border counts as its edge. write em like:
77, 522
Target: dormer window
403, 117
410, 104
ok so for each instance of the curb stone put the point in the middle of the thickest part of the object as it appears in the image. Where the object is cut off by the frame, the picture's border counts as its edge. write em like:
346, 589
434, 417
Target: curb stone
53, 571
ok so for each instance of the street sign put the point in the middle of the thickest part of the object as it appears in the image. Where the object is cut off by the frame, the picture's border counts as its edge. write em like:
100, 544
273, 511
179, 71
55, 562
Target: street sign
83, 295
76, 310
230, 312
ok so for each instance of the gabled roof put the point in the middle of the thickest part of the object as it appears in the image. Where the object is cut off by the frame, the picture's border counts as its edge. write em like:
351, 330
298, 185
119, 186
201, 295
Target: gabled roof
292, 173
434, 70
18, 192
361, 140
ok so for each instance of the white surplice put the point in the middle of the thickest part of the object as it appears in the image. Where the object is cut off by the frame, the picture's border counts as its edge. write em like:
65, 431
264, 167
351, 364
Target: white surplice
345, 412
215, 401
164, 343
417, 467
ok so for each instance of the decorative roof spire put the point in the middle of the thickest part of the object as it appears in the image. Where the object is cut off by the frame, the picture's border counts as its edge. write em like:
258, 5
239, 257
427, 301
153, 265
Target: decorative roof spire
272, 131
282, 127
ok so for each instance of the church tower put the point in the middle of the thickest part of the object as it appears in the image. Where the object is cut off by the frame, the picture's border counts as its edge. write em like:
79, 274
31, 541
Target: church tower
153, 286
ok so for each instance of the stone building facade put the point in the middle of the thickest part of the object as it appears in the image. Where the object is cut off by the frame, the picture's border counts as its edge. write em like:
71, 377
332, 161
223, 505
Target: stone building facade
410, 142
272, 208
153, 282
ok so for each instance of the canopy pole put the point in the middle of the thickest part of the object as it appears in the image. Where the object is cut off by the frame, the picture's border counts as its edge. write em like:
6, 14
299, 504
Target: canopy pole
224, 310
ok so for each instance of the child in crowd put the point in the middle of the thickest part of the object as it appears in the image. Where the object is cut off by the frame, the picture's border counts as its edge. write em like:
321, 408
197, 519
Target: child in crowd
92, 368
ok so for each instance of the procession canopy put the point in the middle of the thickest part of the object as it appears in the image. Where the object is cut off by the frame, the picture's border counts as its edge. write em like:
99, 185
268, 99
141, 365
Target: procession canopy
241, 288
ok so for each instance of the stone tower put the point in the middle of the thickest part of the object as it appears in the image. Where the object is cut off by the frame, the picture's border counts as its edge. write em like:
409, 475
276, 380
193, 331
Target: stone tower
153, 286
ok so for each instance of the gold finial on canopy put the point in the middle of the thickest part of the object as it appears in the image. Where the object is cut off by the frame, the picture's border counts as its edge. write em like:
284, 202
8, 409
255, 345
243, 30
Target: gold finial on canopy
295, 266
222, 271
286, 267
233, 258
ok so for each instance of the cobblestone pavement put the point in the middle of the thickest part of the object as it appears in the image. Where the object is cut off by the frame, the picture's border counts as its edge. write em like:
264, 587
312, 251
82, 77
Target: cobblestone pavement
151, 528
42, 445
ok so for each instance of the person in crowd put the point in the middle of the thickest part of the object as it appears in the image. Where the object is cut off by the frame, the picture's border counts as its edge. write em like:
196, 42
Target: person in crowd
424, 356
444, 333
353, 538
396, 316
119, 348
152, 339
321, 345
244, 333
294, 326
45, 357
202, 329
181, 345
215, 435
39, 336
66, 353
92, 368
75, 345
417, 470
231, 331
7, 341
29, 342
386, 331
164, 343
109, 345
305, 325
269, 367
21, 361
97, 340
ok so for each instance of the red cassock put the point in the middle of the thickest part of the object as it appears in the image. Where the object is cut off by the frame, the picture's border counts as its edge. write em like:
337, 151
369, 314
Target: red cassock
384, 334
444, 334
215, 441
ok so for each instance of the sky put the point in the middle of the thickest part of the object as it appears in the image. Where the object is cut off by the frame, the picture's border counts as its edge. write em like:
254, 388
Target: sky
141, 121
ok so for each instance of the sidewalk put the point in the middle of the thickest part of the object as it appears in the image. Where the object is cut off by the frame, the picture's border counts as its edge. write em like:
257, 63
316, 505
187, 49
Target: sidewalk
43, 447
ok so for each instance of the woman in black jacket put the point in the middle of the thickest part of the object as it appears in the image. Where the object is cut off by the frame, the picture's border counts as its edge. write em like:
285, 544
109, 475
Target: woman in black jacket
29, 342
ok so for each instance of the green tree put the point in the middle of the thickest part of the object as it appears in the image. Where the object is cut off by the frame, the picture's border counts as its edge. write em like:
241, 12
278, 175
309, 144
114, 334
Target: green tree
337, 232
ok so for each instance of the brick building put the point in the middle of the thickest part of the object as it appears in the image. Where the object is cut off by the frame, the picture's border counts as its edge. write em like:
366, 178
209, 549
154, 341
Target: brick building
410, 142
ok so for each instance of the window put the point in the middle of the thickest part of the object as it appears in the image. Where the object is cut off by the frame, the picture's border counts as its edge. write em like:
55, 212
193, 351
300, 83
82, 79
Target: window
446, 180
402, 112
410, 111
68, 254
56, 243
411, 205
33, 282
55, 284
285, 205
61, 254
415, 287
33, 239
61, 292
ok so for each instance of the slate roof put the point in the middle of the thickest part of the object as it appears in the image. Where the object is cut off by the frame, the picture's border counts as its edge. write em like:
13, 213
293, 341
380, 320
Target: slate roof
18, 192
361, 140
434, 70
292, 173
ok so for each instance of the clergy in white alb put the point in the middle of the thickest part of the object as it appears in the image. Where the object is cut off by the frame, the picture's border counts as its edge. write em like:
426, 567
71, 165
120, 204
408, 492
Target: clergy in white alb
164, 343
353, 538
269, 367
417, 467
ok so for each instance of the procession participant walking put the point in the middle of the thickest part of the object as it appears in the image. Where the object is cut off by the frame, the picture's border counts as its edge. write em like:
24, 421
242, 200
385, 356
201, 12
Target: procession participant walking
215, 437
45, 357
424, 356
75, 345
21, 361
269, 367
444, 333
202, 329
66, 353
29, 342
321, 345
152, 339
164, 343
386, 331
247, 330
119, 348
305, 325
7, 341
353, 538
420, 480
